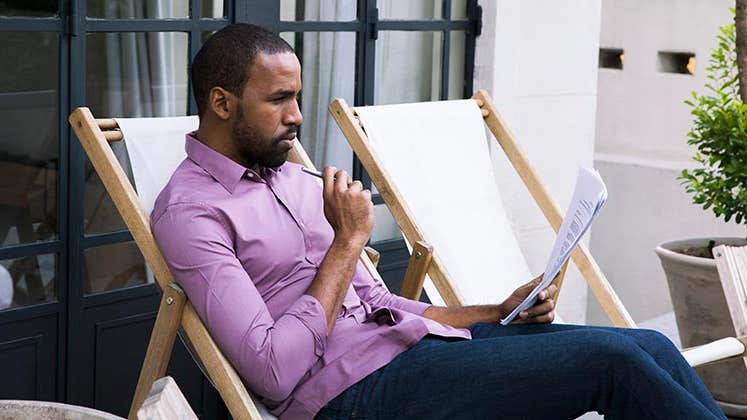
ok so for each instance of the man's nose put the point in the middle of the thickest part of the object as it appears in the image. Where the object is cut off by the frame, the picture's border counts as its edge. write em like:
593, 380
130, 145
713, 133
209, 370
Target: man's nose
293, 115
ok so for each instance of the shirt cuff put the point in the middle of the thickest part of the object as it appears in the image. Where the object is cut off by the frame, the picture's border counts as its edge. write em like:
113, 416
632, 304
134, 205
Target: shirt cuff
309, 311
413, 306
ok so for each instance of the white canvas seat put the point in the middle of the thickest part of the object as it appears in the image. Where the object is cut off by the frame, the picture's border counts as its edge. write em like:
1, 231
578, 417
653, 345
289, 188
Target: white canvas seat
463, 220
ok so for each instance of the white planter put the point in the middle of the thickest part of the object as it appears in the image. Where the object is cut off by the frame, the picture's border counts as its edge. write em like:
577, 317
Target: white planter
44, 410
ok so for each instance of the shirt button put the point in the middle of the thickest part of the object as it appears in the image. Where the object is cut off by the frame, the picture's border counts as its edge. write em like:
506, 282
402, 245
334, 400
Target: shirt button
250, 175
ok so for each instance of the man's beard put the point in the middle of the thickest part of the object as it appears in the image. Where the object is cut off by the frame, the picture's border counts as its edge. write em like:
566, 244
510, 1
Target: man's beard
253, 149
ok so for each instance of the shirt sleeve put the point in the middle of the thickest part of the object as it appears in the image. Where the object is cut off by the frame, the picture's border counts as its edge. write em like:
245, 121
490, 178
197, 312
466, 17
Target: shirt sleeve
375, 293
271, 355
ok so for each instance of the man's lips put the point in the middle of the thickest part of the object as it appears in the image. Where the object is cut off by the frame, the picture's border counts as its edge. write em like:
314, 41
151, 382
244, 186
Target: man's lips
287, 141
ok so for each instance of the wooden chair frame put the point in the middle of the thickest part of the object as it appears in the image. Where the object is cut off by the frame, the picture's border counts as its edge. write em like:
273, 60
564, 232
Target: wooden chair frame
351, 128
175, 310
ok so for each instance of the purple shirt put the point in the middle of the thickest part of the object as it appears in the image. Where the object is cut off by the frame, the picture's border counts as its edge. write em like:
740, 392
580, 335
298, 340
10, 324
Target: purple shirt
245, 246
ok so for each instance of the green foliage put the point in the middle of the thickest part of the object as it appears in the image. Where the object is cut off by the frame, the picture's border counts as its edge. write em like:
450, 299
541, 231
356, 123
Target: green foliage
719, 133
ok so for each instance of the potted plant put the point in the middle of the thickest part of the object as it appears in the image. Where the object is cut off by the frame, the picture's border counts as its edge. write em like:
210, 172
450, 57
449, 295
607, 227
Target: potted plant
718, 183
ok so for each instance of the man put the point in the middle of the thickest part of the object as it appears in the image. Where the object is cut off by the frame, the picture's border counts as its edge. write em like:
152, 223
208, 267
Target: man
270, 262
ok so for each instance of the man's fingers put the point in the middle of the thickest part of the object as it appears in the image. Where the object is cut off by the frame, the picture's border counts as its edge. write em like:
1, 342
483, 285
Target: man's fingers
341, 180
328, 179
356, 186
539, 319
538, 310
550, 291
544, 318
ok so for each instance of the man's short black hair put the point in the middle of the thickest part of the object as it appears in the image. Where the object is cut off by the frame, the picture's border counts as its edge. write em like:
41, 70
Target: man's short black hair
226, 56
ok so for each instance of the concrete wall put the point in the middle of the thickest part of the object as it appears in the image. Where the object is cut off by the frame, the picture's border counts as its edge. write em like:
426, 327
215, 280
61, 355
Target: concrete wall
641, 130
538, 60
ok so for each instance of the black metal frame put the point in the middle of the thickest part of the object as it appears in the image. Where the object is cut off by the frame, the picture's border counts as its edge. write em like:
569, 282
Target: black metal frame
72, 25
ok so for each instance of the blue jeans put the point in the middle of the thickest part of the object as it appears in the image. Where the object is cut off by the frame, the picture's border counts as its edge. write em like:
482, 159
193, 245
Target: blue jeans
532, 372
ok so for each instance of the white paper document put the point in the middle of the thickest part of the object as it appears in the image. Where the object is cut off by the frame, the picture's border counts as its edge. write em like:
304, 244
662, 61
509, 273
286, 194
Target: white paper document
588, 197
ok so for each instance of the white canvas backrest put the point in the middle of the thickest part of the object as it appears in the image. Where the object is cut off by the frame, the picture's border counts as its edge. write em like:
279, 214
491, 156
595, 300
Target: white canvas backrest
436, 153
155, 147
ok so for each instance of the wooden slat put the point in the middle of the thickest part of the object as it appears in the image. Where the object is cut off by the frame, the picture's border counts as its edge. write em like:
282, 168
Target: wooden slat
581, 256
107, 123
161, 344
123, 195
358, 140
373, 255
731, 263
111, 136
417, 267
558, 281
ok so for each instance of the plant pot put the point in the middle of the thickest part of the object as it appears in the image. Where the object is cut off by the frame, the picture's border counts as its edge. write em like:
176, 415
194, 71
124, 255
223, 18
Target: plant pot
47, 410
703, 316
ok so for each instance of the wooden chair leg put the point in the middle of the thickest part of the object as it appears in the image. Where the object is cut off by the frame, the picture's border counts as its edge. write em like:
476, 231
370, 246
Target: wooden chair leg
417, 267
558, 281
373, 255
161, 344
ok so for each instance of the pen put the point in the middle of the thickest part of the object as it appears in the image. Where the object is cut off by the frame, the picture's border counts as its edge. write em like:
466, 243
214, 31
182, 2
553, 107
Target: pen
315, 173
312, 172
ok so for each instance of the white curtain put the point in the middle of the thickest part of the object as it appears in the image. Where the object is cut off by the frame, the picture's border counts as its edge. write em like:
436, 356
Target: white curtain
328, 73
140, 66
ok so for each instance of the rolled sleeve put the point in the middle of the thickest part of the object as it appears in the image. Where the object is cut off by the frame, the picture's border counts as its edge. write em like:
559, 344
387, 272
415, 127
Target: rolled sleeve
309, 312
375, 293
413, 306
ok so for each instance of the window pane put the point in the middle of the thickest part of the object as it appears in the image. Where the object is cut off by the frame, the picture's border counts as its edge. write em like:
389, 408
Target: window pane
29, 149
385, 227
112, 267
130, 75
408, 67
213, 8
138, 9
456, 64
37, 8
458, 9
27, 281
409, 10
318, 10
328, 62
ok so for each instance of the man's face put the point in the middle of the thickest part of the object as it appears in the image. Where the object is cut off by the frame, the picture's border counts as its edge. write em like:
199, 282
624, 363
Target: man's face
267, 116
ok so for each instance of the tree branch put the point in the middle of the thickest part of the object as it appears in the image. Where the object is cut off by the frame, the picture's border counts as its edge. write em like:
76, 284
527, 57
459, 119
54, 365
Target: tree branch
741, 27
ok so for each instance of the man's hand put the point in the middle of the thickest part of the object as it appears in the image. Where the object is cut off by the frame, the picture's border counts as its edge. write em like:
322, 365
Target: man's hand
347, 207
543, 310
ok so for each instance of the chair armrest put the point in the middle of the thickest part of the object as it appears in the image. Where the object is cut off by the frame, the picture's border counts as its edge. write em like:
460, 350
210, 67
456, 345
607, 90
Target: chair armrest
373, 255
417, 268
716, 351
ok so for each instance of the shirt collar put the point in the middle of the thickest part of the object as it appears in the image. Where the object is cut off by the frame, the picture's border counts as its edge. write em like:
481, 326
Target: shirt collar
222, 168
219, 166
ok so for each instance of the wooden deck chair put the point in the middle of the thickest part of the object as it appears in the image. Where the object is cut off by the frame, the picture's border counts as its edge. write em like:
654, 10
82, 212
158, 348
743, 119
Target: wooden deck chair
430, 163
155, 147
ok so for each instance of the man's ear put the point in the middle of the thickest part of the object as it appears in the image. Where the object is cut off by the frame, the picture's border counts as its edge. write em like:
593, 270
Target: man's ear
221, 102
